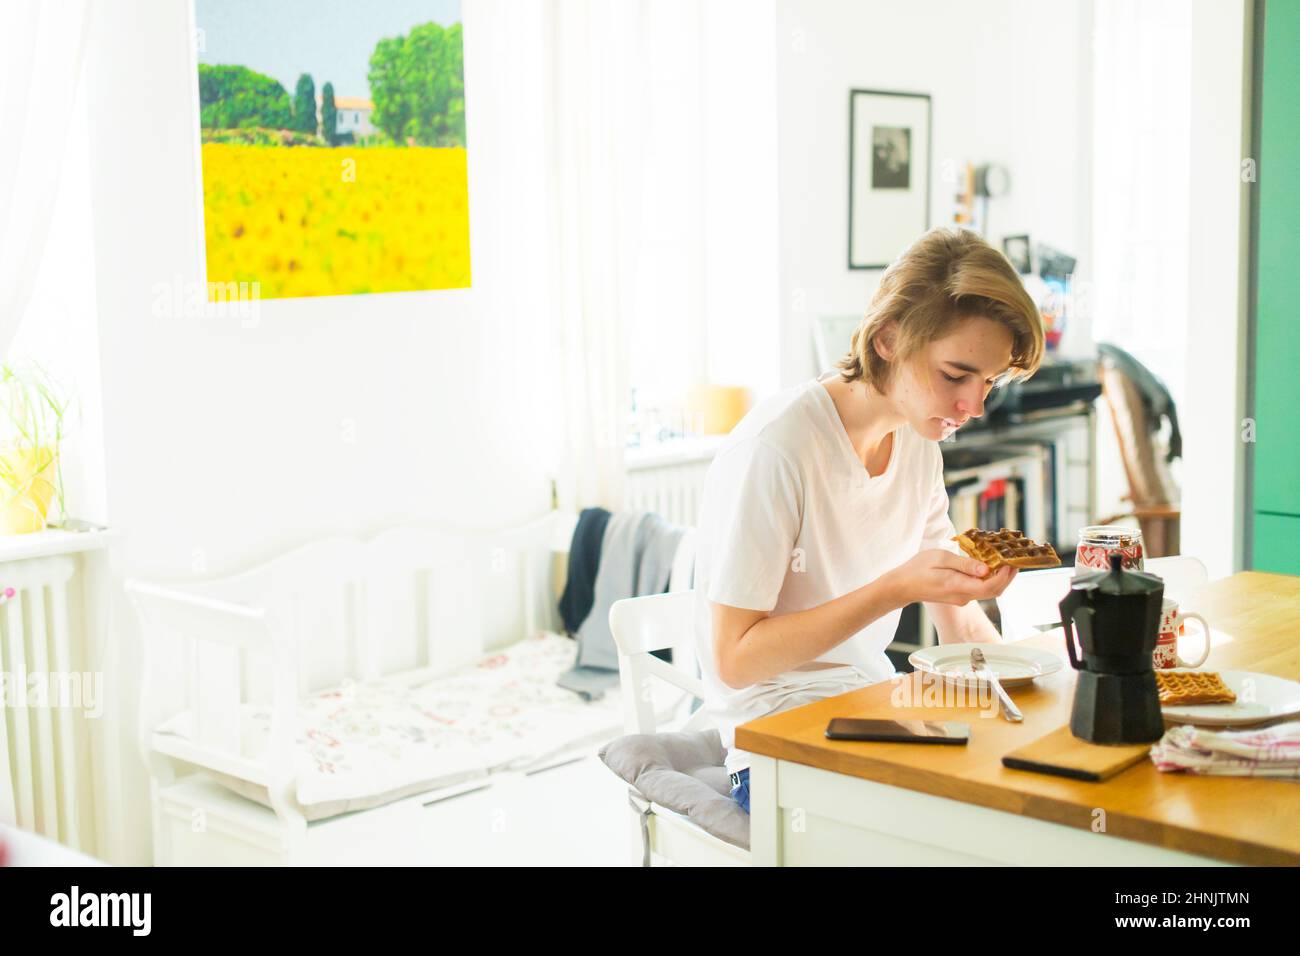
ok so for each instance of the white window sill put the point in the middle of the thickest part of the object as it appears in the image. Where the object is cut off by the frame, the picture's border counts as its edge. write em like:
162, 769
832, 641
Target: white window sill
673, 452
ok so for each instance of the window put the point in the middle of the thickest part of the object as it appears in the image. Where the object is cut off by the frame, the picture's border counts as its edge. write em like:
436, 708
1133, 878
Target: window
1141, 182
706, 288
59, 328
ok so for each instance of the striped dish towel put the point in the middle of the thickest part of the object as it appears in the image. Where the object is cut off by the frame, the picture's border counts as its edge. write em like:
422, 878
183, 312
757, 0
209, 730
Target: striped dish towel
1267, 752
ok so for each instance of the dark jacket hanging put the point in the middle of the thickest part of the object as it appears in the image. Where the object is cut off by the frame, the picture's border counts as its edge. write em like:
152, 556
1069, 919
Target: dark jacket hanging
584, 561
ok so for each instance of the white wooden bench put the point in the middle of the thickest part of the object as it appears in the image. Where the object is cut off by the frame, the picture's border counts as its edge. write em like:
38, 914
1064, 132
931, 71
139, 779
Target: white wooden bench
243, 672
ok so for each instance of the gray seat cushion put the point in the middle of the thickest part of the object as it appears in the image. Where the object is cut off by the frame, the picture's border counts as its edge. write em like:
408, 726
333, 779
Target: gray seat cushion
686, 773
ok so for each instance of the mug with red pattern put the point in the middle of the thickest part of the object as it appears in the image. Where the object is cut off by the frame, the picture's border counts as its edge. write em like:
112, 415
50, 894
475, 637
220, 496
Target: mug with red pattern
1171, 625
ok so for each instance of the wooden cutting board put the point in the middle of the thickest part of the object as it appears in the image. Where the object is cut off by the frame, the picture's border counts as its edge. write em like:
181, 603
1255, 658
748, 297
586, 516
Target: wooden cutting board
1065, 755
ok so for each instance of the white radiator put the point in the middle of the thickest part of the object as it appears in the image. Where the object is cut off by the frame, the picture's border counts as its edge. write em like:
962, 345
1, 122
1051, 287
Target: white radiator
670, 483
51, 696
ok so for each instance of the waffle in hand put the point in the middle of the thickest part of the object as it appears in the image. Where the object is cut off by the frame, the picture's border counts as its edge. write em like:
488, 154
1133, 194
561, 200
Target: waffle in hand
1192, 687
996, 548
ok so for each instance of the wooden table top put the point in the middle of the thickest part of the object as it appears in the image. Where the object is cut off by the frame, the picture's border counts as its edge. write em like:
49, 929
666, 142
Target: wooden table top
1255, 618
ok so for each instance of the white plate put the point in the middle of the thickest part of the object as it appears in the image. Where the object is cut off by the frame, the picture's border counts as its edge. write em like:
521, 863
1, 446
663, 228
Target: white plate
1013, 664
1260, 697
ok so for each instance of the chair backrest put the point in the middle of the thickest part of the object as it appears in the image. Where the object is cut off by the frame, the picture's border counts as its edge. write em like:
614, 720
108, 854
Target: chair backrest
1182, 574
1034, 597
640, 626
1149, 479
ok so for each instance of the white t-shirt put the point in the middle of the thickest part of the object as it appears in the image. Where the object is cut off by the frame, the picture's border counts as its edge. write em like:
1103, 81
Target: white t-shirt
791, 519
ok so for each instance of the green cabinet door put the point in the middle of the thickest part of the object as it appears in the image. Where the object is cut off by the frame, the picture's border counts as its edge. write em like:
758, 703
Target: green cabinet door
1277, 543
1277, 316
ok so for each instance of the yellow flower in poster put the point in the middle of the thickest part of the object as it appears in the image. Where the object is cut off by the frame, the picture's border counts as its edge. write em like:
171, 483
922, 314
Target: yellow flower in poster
309, 193
288, 219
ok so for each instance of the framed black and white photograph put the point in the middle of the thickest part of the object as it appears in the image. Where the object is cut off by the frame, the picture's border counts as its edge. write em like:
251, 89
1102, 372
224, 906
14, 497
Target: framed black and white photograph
889, 174
891, 160
1017, 251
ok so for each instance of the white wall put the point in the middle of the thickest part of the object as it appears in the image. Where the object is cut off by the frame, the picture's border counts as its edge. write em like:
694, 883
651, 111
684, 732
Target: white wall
1009, 82
225, 443
1213, 503
742, 186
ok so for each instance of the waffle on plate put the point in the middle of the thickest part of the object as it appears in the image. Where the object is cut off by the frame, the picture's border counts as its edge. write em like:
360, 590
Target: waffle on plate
1192, 687
996, 548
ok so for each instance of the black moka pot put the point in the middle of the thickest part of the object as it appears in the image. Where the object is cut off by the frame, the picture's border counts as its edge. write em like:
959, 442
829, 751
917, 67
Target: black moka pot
1117, 616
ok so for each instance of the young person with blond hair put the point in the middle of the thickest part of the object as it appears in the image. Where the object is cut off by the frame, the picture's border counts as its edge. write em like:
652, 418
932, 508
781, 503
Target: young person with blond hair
825, 512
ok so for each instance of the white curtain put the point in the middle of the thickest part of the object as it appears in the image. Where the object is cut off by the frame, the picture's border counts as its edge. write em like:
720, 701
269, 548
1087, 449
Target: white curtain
584, 108
598, 94
42, 44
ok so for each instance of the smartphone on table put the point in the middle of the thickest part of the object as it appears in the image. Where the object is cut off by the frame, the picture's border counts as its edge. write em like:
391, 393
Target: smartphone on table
899, 731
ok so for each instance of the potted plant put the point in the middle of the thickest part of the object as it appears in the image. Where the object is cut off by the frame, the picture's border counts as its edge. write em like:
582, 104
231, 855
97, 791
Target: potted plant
32, 412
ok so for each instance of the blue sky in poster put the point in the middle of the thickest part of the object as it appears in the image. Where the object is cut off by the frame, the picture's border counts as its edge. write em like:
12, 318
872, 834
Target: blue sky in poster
329, 39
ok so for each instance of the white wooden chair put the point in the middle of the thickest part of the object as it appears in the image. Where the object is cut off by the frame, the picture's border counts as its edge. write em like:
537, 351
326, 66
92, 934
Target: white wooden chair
641, 626
1033, 599
1182, 573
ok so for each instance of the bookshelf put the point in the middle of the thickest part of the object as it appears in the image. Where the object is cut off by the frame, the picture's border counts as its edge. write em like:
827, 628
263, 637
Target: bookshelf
1005, 487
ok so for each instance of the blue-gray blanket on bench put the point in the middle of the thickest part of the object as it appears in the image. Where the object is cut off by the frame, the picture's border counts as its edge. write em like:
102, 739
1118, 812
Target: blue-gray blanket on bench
636, 558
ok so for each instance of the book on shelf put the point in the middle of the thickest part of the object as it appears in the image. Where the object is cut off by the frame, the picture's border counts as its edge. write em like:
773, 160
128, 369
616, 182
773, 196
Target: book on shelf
995, 504
992, 499
1048, 451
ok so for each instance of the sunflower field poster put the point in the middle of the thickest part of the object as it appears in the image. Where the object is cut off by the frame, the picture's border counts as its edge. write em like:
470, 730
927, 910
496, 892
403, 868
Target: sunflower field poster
333, 146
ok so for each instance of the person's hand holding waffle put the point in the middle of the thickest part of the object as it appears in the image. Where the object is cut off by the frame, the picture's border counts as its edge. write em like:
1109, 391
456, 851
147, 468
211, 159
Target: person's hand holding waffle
990, 562
940, 577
